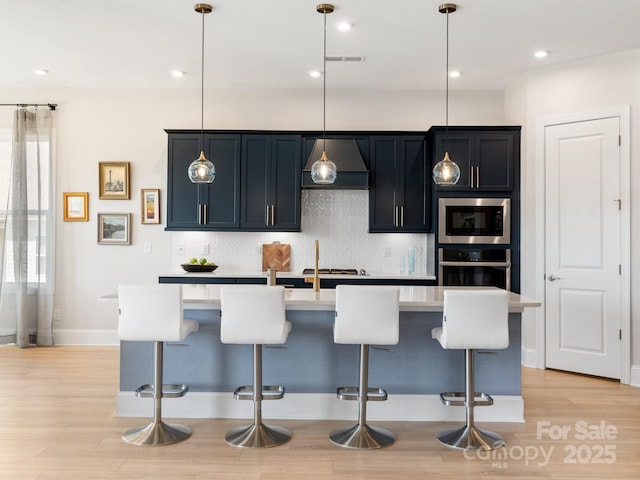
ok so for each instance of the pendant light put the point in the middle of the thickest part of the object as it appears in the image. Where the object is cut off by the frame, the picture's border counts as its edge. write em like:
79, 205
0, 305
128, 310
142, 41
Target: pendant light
446, 171
323, 171
202, 170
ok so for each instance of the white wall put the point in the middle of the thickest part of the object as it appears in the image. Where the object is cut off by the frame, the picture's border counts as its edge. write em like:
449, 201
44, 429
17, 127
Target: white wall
96, 125
589, 86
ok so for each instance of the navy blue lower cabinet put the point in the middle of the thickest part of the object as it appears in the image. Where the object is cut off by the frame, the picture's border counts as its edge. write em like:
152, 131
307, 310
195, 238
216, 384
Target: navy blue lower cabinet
293, 281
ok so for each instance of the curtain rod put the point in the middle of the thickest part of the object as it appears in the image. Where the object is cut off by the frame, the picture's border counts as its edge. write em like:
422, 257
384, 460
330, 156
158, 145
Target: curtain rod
52, 106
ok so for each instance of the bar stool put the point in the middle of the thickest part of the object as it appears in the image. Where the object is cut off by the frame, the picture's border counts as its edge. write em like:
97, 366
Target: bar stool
365, 315
472, 319
154, 313
255, 315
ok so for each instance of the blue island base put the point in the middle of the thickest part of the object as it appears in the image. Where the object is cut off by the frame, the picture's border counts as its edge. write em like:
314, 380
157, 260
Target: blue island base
311, 367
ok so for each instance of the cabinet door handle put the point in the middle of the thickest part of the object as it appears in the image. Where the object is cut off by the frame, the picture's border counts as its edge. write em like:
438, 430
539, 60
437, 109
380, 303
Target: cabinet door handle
202, 214
395, 218
472, 183
272, 215
266, 215
402, 216
477, 177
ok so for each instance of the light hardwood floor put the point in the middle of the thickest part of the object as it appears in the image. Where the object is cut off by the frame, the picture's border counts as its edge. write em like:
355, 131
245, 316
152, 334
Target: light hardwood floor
57, 422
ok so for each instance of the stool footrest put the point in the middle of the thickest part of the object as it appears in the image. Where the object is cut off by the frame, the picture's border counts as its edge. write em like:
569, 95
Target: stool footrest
269, 392
169, 390
353, 393
484, 399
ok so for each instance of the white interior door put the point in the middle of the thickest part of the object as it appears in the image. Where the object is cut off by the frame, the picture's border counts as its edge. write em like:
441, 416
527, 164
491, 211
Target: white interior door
583, 247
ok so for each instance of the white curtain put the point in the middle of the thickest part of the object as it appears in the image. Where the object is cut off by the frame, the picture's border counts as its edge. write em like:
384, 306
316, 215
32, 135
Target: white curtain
27, 231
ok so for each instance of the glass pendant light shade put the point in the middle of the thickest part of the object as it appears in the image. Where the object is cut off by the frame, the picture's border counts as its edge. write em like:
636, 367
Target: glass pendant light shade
446, 172
324, 171
202, 170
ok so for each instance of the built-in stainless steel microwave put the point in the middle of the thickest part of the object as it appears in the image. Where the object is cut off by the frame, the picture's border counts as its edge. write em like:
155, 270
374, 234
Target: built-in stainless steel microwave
474, 220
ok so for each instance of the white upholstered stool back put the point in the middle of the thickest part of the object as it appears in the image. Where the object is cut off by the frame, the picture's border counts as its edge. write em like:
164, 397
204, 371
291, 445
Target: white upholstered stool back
474, 319
253, 315
152, 313
367, 315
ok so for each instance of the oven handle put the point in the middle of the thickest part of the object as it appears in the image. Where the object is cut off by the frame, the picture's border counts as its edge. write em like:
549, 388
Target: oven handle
475, 264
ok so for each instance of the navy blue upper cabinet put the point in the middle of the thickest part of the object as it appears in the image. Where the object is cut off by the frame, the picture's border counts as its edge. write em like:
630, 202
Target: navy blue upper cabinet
214, 206
399, 197
270, 198
487, 156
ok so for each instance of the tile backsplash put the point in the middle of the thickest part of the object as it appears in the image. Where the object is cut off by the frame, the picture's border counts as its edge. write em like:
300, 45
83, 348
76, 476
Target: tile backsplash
338, 219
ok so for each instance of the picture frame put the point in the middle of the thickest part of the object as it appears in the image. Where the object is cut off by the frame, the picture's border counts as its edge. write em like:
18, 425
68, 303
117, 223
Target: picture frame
113, 178
76, 206
114, 228
150, 204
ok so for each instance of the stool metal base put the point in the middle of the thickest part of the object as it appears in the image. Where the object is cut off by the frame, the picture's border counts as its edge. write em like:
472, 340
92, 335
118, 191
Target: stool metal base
157, 433
470, 438
258, 436
362, 437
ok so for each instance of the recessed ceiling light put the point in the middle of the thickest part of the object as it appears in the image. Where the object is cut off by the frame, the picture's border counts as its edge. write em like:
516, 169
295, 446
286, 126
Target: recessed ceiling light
454, 73
540, 53
344, 26
40, 71
178, 73
314, 73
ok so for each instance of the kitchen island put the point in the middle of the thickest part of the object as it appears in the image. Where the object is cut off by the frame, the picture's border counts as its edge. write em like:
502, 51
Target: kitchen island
311, 366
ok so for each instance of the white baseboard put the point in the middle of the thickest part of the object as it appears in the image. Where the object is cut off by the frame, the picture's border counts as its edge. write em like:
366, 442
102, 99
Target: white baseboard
635, 376
313, 406
529, 357
67, 336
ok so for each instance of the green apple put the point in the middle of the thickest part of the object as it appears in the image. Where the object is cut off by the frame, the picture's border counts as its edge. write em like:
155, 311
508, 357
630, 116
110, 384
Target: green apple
203, 261
193, 260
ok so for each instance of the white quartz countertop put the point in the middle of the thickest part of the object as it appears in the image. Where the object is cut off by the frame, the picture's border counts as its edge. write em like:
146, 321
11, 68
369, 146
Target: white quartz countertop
228, 274
412, 298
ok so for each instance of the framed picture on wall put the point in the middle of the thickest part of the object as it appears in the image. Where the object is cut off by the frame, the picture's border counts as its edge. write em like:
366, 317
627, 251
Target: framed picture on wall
114, 180
76, 206
150, 205
114, 228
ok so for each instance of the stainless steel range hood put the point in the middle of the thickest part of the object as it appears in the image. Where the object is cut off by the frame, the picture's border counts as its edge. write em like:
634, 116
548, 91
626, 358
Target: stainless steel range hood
344, 152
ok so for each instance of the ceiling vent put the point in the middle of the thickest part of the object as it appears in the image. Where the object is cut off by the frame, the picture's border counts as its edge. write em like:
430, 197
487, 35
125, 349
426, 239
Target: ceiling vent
339, 58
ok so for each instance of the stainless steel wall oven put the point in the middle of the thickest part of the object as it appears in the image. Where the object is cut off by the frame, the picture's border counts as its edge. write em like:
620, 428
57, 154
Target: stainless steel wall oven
475, 267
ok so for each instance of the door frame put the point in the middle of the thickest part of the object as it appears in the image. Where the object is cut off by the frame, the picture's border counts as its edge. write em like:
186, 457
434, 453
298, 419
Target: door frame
623, 114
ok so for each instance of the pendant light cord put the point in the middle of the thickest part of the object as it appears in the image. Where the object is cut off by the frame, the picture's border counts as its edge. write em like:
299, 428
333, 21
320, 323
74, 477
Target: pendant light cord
446, 121
202, 88
324, 83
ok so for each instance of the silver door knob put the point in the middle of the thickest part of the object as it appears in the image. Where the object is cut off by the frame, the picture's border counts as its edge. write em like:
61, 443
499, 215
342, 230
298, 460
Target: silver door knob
553, 278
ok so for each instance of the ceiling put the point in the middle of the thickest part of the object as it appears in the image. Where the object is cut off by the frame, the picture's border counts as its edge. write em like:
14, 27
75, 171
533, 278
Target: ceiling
274, 44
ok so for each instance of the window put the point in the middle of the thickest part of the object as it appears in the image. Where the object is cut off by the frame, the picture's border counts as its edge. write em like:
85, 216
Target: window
37, 224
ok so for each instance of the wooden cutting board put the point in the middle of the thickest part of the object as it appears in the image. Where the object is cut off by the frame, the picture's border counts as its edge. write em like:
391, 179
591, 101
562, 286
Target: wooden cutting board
276, 256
